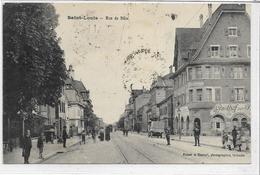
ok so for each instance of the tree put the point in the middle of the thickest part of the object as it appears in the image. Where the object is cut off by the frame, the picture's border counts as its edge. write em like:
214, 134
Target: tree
34, 69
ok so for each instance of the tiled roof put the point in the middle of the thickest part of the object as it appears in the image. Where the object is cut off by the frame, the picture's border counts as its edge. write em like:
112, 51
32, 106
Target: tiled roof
185, 38
79, 86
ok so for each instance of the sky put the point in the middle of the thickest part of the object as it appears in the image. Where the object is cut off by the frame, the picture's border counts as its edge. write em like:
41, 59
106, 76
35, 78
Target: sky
115, 45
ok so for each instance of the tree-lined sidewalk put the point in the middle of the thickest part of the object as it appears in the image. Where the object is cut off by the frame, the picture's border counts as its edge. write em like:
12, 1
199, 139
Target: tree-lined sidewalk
49, 150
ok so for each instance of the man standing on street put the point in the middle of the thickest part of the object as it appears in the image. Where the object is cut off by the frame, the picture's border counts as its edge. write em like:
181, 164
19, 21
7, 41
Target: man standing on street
83, 137
234, 135
27, 145
64, 136
196, 131
167, 135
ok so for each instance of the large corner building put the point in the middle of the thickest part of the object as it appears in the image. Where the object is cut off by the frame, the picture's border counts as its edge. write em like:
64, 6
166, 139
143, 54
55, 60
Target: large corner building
212, 77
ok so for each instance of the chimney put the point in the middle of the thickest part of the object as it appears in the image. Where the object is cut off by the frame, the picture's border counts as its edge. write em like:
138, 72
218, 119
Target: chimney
71, 72
201, 20
210, 11
170, 68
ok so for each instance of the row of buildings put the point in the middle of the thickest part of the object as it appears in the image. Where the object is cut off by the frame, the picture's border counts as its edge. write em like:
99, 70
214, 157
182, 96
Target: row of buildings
211, 81
73, 110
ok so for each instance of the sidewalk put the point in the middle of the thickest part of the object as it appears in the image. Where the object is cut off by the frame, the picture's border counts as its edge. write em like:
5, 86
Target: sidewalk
49, 150
215, 141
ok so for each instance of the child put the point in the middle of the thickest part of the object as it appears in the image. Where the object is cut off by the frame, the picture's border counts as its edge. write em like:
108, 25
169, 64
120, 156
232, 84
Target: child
229, 140
40, 145
239, 143
224, 139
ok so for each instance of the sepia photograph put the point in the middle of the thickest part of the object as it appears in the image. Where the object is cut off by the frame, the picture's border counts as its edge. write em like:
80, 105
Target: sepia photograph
126, 83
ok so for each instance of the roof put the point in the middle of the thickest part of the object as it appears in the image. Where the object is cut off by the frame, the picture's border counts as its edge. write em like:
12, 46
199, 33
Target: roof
186, 37
164, 100
195, 38
164, 81
79, 86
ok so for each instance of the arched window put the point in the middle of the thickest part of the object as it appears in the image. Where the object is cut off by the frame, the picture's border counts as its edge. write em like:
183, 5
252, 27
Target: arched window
243, 122
235, 122
218, 123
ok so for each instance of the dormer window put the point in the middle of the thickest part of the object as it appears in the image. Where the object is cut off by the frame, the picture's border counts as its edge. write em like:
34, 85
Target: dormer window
232, 31
214, 51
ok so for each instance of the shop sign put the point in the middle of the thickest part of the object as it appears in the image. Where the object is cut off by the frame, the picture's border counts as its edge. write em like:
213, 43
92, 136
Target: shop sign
228, 110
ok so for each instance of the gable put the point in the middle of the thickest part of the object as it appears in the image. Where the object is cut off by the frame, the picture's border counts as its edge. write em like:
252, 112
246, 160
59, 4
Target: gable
219, 36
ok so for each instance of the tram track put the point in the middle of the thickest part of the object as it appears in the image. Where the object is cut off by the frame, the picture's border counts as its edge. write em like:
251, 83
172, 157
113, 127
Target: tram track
160, 147
140, 153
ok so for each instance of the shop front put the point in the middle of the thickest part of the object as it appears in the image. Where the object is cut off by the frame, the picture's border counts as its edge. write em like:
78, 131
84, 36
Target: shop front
226, 116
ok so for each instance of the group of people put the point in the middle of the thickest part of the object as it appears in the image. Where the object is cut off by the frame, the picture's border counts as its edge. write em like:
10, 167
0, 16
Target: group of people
237, 139
27, 146
27, 140
196, 133
125, 132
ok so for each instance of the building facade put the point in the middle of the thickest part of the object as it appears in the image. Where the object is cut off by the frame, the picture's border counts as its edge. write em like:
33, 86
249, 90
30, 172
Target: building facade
166, 112
212, 78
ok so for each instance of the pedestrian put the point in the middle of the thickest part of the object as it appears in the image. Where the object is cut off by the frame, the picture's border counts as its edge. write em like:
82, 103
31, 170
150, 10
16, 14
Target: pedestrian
234, 135
83, 137
238, 141
107, 133
70, 132
247, 138
229, 141
224, 139
126, 132
101, 134
196, 132
167, 135
40, 145
93, 134
64, 136
10, 145
27, 145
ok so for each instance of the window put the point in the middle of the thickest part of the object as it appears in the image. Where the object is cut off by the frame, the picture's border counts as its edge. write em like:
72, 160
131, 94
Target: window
217, 94
232, 31
249, 51
214, 51
217, 72
199, 94
190, 73
184, 99
243, 122
208, 72
184, 77
217, 125
191, 95
233, 51
198, 72
208, 94
239, 94
238, 72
